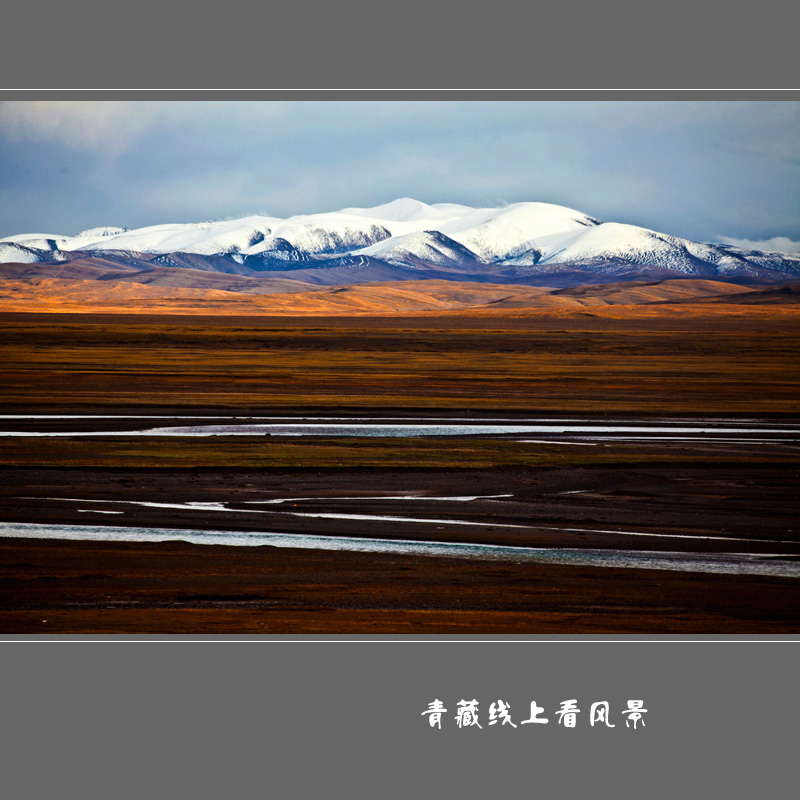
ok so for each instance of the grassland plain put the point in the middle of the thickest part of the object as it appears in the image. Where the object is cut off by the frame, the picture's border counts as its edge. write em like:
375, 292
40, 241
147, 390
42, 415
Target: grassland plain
599, 362
607, 363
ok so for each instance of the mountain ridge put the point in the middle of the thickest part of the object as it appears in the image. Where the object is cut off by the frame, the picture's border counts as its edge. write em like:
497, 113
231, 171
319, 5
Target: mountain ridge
526, 243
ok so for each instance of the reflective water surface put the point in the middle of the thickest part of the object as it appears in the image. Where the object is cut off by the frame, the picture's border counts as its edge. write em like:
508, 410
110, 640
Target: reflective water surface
730, 563
322, 426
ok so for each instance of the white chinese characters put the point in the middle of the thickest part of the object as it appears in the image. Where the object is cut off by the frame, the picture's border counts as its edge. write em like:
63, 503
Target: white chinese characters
435, 709
535, 711
635, 712
467, 714
500, 710
568, 713
600, 714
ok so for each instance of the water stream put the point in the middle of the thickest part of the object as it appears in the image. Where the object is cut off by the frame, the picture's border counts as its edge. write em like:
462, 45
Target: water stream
729, 563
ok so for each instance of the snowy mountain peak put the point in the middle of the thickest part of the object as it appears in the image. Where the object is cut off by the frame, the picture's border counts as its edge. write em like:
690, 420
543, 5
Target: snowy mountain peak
515, 242
405, 209
99, 233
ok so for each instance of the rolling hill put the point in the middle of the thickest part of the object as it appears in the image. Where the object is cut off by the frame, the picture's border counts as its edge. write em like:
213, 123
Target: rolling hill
534, 244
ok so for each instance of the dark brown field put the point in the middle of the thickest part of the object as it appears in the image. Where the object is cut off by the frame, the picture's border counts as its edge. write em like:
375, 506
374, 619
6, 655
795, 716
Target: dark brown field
653, 359
611, 362
68, 587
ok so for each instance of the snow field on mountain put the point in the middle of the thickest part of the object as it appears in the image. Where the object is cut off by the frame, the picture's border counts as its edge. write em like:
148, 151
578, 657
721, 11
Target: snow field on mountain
411, 234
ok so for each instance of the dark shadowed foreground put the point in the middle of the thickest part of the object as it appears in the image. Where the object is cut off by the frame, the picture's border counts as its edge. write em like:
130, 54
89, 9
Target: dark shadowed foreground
99, 587
727, 493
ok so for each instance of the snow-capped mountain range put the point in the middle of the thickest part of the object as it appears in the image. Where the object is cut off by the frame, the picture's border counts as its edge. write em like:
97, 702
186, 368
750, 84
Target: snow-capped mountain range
520, 243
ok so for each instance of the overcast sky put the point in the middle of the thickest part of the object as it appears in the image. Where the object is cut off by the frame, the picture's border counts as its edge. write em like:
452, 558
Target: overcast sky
704, 170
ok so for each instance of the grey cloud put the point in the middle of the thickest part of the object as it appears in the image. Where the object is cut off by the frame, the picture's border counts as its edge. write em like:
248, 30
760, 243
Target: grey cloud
690, 169
777, 244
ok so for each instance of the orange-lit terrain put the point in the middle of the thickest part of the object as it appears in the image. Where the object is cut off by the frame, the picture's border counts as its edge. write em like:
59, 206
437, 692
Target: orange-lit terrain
181, 291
